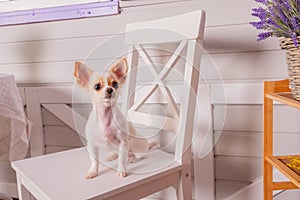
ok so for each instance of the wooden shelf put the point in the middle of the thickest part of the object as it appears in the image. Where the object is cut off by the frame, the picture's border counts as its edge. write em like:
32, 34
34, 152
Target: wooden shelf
281, 163
285, 98
278, 91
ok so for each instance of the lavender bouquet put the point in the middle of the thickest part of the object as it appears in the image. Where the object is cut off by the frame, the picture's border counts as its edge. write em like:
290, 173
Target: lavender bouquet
279, 18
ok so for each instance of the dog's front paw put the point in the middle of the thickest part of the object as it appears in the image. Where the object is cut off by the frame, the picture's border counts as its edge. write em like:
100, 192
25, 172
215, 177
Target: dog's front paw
91, 174
122, 174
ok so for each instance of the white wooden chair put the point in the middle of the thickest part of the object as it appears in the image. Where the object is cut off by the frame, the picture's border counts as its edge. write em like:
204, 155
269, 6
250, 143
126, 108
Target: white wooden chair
61, 175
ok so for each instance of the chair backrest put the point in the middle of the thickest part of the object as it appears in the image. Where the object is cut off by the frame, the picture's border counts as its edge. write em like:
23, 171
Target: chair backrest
186, 31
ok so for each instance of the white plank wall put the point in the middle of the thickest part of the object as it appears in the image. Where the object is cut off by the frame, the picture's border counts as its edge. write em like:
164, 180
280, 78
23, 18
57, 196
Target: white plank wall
235, 64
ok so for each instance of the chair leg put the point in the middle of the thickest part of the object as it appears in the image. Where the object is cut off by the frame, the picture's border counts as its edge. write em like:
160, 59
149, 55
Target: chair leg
184, 189
23, 193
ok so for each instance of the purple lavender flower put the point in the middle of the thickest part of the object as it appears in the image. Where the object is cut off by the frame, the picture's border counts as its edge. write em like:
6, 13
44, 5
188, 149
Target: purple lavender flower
295, 40
262, 1
279, 18
294, 22
273, 23
279, 14
260, 13
264, 35
286, 4
258, 25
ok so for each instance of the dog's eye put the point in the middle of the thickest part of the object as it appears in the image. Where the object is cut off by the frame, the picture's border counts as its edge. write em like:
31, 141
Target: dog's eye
97, 86
115, 84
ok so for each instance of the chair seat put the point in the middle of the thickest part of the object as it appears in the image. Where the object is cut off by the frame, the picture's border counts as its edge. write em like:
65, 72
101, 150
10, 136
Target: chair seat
61, 175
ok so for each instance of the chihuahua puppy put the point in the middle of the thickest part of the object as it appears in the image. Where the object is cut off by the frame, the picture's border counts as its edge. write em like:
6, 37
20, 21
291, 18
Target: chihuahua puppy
106, 124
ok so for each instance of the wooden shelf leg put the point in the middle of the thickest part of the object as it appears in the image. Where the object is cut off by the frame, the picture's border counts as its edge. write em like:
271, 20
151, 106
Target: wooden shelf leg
268, 146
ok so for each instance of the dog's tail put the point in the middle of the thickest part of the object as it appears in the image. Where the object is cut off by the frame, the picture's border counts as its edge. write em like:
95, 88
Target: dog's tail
153, 146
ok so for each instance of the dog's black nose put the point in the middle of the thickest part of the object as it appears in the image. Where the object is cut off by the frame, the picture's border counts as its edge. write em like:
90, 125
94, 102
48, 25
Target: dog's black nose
109, 90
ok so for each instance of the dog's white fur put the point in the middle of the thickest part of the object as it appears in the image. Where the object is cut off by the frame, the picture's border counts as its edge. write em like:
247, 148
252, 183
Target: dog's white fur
106, 124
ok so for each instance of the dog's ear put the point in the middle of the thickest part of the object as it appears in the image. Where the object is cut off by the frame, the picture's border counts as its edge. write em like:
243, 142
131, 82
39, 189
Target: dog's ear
82, 74
119, 69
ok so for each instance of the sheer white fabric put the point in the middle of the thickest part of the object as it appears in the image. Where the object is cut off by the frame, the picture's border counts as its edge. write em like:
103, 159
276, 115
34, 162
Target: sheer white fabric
15, 141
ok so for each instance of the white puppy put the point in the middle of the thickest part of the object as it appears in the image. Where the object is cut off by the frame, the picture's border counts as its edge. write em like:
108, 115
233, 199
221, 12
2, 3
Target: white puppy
106, 124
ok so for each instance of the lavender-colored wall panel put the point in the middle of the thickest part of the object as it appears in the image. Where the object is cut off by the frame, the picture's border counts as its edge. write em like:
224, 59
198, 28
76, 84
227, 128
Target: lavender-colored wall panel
60, 13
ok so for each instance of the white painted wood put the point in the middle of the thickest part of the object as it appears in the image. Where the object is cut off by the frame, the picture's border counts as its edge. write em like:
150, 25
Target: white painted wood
177, 175
245, 144
69, 116
158, 78
165, 194
249, 144
286, 138
7, 179
80, 48
237, 93
190, 85
34, 115
251, 93
288, 194
255, 190
241, 144
204, 184
202, 147
234, 141
219, 14
9, 189
83, 109
9, 174
58, 94
79, 28
251, 66
175, 28
133, 36
49, 119
55, 50
238, 168
188, 105
65, 168
55, 149
227, 12
23, 194
237, 120
221, 39
280, 120
22, 95
62, 136
132, 60
62, 112
54, 100
245, 67
226, 188
242, 62
154, 121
